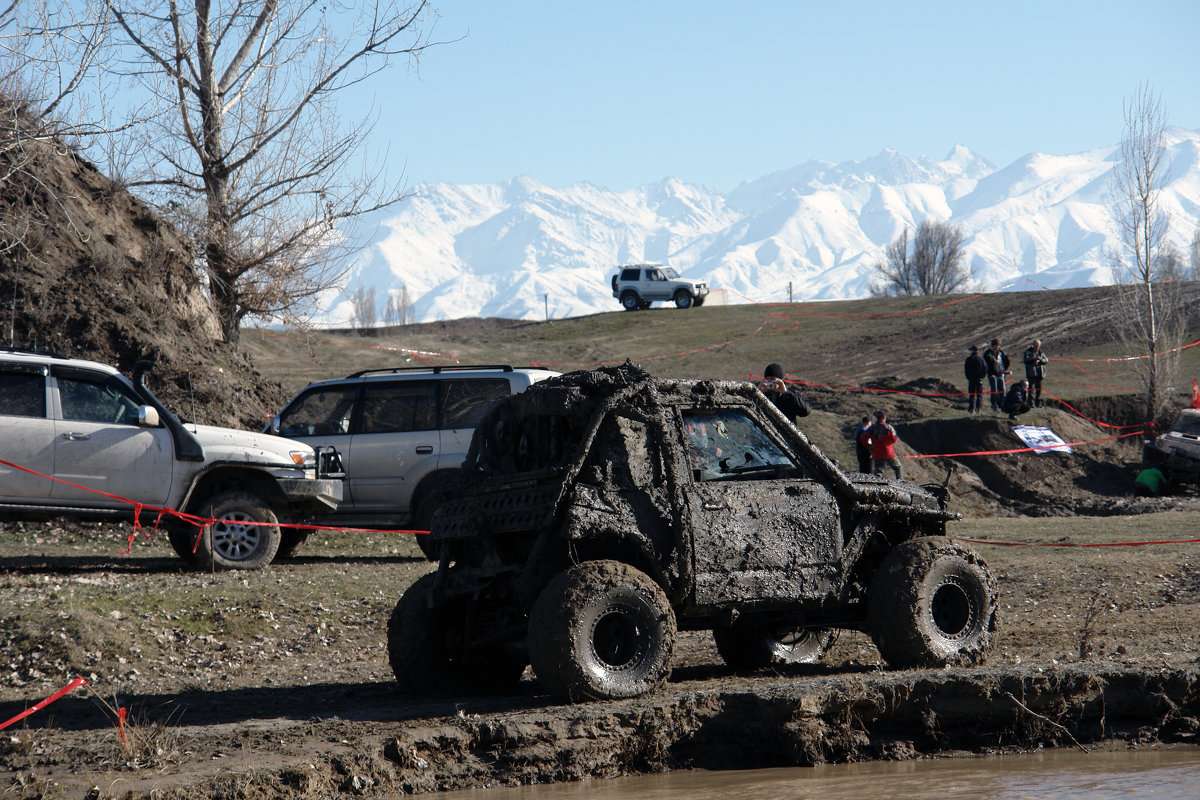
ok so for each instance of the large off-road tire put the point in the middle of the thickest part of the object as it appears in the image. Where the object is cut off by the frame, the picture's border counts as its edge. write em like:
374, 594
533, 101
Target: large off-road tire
601, 630
290, 540
749, 644
423, 646
428, 496
230, 542
683, 299
932, 603
630, 300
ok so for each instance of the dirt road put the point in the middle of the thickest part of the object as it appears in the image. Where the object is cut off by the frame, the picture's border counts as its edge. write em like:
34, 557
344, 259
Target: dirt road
276, 683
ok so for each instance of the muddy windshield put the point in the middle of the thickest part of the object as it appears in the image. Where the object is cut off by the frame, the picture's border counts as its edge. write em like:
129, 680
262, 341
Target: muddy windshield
729, 445
1187, 424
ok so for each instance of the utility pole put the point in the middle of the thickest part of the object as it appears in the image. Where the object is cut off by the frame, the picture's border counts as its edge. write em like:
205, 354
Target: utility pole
546, 300
789, 291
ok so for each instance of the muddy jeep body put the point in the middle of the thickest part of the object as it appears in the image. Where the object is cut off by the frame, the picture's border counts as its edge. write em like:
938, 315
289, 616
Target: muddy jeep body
1177, 452
601, 511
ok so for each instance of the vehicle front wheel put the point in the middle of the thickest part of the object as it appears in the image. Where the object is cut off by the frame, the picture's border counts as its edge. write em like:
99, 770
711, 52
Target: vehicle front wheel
748, 644
244, 535
699, 301
683, 299
932, 603
630, 301
601, 630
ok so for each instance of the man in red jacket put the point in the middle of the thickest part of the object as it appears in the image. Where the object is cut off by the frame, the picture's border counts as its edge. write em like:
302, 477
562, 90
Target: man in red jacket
881, 438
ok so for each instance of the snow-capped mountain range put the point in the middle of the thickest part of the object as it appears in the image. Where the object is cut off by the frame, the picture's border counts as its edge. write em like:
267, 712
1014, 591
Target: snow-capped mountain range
522, 249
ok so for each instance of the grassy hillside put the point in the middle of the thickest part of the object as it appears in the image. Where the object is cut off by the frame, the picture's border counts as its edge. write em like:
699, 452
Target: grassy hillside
840, 344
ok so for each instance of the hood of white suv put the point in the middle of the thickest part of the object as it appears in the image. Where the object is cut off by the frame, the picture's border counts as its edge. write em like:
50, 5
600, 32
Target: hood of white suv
228, 444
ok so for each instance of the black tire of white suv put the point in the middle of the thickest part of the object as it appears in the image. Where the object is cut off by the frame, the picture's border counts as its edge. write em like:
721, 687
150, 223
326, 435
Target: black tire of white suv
630, 300
245, 534
683, 298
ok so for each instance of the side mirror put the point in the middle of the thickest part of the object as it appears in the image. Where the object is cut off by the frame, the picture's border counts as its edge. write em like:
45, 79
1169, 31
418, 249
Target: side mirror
148, 416
274, 426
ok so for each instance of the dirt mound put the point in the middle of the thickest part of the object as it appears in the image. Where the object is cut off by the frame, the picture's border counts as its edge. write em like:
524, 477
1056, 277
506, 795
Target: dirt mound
1098, 470
88, 270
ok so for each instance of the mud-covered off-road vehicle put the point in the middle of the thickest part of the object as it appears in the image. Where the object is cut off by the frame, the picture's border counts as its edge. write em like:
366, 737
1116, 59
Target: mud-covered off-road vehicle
1177, 452
602, 511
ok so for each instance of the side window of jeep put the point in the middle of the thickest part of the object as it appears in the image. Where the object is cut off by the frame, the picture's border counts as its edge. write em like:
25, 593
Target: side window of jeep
321, 412
728, 444
96, 399
399, 407
465, 401
22, 394
629, 275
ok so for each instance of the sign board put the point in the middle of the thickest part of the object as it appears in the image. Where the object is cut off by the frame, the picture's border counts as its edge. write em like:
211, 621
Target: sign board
1043, 440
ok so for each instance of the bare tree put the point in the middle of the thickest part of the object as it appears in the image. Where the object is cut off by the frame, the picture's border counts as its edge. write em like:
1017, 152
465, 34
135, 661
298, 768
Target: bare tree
1150, 319
1194, 254
934, 265
363, 301
399, 309
239, 140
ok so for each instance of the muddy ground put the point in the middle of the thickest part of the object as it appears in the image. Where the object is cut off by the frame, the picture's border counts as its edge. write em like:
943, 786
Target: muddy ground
276, 683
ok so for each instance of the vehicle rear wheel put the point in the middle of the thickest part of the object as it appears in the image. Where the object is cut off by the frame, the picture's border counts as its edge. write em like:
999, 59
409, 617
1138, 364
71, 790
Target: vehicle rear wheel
183, 540
748, 644
683, 299
425, 656
932, 603
630, 300
244, 535
601, 630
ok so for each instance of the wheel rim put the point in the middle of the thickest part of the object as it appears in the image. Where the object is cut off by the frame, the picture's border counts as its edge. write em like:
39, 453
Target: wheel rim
233, 539
953, 610
618, 641
798, 645
630, 302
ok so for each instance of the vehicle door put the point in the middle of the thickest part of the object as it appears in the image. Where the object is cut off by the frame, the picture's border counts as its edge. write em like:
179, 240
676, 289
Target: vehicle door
99, 444
657, 285
763, 529
324, 415
463, 403
395, 444
26, 432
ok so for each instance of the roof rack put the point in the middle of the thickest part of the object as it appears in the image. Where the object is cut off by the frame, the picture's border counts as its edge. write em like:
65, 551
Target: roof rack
435, 370
33, 351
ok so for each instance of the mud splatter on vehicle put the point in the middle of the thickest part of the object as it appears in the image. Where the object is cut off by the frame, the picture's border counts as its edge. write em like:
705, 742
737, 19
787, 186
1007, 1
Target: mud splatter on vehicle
600, 512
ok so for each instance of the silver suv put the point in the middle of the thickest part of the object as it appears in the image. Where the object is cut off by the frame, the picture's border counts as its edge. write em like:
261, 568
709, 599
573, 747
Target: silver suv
1177, 452
398, 431
639, 285
82, 440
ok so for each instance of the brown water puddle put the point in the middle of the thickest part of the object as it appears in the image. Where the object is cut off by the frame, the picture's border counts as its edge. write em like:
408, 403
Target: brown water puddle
1161, 773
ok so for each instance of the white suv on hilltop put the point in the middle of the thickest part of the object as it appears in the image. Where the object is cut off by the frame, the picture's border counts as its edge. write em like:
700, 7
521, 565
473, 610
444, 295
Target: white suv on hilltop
105, 446
639, 285
398, 431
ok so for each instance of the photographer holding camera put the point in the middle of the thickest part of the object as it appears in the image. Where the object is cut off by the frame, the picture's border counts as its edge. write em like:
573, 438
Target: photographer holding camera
785, 398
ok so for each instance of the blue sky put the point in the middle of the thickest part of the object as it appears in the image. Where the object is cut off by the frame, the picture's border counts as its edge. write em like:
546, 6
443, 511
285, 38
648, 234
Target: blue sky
622, 93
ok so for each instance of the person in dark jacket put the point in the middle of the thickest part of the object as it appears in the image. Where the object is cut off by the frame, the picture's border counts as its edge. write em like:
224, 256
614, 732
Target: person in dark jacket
1035, 370
785, 398
881, 438
975, 369
1017, 400
861, 450
998, 363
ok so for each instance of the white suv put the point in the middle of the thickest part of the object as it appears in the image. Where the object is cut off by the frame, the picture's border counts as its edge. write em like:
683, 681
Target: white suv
398, 431
105, 446
639, 285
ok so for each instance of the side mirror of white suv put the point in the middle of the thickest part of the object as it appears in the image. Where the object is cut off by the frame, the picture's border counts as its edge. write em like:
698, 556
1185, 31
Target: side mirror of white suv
148, 417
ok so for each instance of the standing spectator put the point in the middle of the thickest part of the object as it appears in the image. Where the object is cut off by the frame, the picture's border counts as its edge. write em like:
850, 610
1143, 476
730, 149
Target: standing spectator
785, 398
976, 369
998, 363
1035, 371
861, 450
1017, 400
881, 438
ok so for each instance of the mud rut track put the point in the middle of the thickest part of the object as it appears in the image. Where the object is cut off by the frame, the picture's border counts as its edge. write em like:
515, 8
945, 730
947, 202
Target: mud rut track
301, 702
